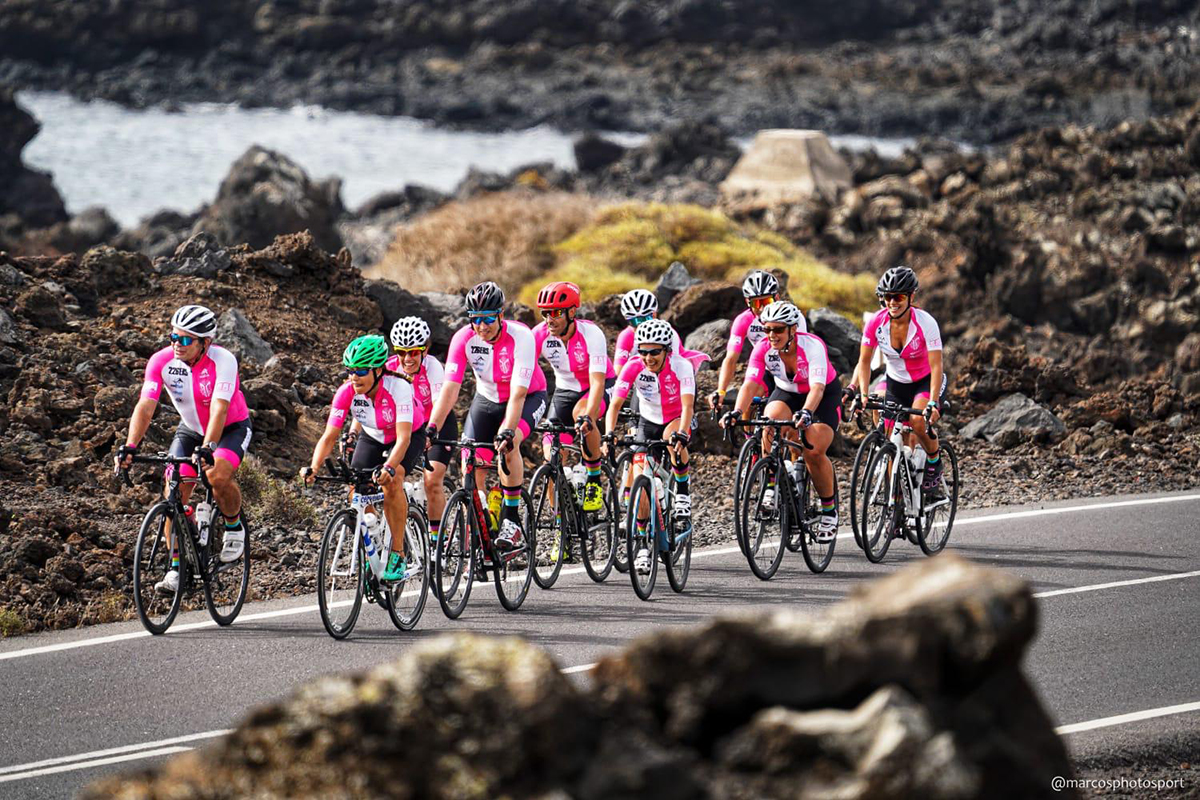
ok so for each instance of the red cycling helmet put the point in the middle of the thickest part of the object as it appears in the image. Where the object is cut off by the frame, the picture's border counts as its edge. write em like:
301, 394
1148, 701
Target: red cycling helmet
560, 294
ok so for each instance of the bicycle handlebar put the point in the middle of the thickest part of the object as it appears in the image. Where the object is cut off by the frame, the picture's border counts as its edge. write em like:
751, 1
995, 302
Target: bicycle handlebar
163, 458
473, 445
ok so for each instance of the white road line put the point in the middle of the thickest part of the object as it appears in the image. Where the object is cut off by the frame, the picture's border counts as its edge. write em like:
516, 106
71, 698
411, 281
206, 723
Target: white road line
100, 762
1123, 719
51, 762
706, 553
1097, 587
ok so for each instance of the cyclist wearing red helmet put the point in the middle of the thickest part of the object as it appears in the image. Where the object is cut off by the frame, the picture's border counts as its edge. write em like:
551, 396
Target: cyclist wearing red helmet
583, 374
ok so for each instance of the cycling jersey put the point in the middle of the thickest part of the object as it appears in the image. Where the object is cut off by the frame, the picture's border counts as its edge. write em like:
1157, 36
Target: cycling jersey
911, 362
427, 383
812, 365
510, 361
660, 396
392, 404
748, 328
625, 348
573, 361
193, 389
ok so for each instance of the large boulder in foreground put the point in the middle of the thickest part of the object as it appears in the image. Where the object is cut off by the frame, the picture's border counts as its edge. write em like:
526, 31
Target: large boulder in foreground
266, 194
911, 688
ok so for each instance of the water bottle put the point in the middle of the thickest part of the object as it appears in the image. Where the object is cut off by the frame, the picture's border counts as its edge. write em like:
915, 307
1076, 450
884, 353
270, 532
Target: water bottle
416, 491
792, 473
918, 458
493, 507
204, 513
578, 476
658, 485
374, 527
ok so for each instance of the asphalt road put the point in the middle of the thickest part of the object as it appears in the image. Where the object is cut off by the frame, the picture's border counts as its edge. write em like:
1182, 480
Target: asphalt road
1118, 580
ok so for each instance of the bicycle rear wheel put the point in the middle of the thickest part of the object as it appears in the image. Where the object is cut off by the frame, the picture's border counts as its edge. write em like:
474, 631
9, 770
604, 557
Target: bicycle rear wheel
600, 531
622, 472
151, 563
406, 598
638, 539
764, 516
940, 511
455, 564
880, 502
678, 560
340, 569
553, 519
816, 554
861, 458
514, 569
225, 590
747, 457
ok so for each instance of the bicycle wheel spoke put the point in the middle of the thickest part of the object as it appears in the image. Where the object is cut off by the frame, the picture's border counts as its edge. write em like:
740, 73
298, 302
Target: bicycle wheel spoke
340, 568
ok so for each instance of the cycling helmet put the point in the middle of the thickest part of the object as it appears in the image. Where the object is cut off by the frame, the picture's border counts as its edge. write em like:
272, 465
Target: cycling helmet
638, 303
486, 296
409, 332
780, 311
196, 320
759, 284
366, 352
560, 294
897, 280
655, 331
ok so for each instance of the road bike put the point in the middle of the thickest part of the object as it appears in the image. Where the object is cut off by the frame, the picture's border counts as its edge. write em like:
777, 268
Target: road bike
748, 455
353, 557
466, 546
621, 465
892, 499
780, 506
224, 584
559, 517
650, 522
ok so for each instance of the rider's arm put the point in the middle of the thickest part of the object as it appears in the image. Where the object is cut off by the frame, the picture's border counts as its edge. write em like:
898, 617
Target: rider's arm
456, 366
624, 349
614, 410
862, 370
687, 392
139, 423
933, 344
325, 446
402, 393
733, 350
403, 437
597, 367
812, 350
524, 363
446, 399
756, 371
338, 411
595, 393
728, 367
935, 375
621, 391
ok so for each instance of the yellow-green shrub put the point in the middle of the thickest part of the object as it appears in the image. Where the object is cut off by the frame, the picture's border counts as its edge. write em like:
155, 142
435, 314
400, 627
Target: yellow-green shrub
11, 623
594, 283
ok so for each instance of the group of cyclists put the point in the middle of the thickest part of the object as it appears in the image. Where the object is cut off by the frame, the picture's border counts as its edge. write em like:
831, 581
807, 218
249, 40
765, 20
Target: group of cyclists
399, 399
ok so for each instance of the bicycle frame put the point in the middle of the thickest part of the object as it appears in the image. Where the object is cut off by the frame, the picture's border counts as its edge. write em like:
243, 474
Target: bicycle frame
894, 424
360, 499
654, 467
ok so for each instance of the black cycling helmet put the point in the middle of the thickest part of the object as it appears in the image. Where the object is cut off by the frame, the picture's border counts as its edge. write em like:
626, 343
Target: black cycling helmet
897, 280
486, 296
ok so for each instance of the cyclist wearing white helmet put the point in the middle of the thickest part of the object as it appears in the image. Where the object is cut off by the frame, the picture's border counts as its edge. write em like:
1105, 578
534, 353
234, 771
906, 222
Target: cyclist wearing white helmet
807, 390
760, 288
202, 381
665, 383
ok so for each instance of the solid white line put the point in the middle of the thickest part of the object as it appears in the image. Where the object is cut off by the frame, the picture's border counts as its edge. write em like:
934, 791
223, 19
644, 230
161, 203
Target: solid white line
1097, 587
1122, 719
580, 668
100, 762
113, 751
1042, 512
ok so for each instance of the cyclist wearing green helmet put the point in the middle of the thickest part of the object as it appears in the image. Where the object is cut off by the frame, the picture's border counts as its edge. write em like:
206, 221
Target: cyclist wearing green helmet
393, 435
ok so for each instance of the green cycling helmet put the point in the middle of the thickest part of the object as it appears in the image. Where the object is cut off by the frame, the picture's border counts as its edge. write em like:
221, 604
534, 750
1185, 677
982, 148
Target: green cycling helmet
366, 352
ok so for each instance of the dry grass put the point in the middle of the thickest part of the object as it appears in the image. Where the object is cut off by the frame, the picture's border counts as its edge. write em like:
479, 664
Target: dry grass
11, 623
506, 237
272, 500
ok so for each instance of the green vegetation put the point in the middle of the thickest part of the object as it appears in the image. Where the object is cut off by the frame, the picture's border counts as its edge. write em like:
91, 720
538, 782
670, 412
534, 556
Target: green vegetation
271, 499
11, 623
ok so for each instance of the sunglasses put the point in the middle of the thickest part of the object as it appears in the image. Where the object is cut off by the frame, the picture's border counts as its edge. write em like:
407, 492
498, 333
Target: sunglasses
553, 313
759, 303
890, 296
183, 341
361, 373
775, 328
635, 321
485, 319
650, 352
409, 351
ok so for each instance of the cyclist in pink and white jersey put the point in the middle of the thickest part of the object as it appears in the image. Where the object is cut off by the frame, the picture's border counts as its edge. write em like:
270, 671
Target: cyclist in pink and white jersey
510, 393
202, 381
911, 343
392, 441
760, 289
638, 306
807, 390
583, 376
665, 385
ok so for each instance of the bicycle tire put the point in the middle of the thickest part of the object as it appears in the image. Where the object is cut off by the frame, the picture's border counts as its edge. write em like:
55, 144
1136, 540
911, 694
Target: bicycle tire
416, 537
225, 577
549, 506
817, 555
677, 560
599, 532
748, 455
932, 545
340, 533
455, 564
872, 440
643, 585
151, 562
621, 556
764, 549
512, 584
879, 485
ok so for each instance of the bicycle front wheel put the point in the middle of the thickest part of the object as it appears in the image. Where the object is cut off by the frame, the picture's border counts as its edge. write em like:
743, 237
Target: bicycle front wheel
940, 509
600, 531
514, 569
678, 559
817, 554
406, 598
151, 563
880, 502
640, 525
747, 457
340, 576
227, 584
764, 516
861, 458
623, 478
553, 519
455, 565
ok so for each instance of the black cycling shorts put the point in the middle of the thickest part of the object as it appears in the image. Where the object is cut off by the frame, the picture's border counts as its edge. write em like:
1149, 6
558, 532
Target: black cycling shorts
370, 453
443, 453
828, 412
231, 447
562, 404
484, 419
648, 431
907, 393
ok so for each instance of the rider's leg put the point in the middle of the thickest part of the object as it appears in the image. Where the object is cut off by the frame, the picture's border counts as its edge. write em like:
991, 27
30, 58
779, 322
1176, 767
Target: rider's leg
510, 484
820, 436
435, 495
395, 510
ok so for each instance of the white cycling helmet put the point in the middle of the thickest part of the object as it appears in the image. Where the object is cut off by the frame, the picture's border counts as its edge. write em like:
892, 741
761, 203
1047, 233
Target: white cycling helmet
196, 320
410, 332
638, 303
759, 284
655, 331
780, 311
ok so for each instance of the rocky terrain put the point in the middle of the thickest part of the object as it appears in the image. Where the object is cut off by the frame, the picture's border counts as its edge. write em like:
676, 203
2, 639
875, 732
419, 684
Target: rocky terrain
979, 72
912, 688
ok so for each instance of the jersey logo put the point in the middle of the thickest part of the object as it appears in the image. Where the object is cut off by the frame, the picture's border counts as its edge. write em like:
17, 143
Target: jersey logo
480, 350
178, 371
477, 363
225, 386
505, 363
206, 388
176, 387
150, 386
388, 414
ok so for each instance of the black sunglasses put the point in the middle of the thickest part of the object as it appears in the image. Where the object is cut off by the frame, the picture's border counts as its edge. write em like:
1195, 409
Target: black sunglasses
183, 341
651, 351
361, 373
775, 328
890, 296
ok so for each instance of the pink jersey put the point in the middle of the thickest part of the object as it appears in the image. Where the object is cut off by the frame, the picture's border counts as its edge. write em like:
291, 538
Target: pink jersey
812, 364
661, 395
510, 360
625, 347
574, 361
193, 389
747, 328
911, 362
427, 383
392, 405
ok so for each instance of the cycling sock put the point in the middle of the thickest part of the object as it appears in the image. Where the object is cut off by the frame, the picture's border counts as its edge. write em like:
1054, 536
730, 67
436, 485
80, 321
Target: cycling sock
593, 469
434, 526
625, 494
681, 478
235, 523
511, 500
829, 506
175, 559
932, 459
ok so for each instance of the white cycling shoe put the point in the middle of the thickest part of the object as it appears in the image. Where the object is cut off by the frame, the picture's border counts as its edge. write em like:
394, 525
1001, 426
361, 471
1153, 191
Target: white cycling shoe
510, 537
767, 503
169, 584
827, 528
233, 544
642, 562
683, 507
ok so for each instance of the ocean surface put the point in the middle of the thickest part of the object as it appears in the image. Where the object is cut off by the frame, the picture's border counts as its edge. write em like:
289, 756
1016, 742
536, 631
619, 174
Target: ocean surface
136, 162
